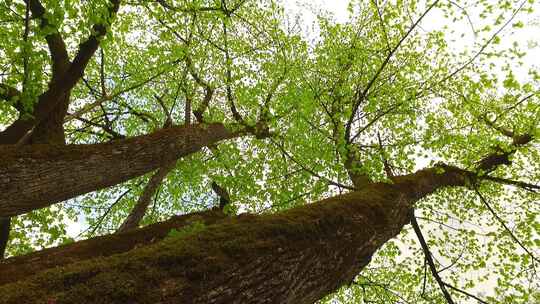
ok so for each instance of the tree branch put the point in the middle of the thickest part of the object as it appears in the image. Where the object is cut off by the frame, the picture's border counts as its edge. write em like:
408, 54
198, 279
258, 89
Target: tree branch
107, 129
500, 220
57, 46
28, 183
5, 228
331, 182
139, 210
19, 267
520, 184
500, 157
230, 99
429, 259
222, 193
101, 100
364, 93
95, 227
166, 5
465, 293
209, 91
48, 101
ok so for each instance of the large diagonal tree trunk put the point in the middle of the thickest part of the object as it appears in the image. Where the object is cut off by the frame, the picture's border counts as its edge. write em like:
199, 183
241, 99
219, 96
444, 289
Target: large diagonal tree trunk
36, 176
297, 256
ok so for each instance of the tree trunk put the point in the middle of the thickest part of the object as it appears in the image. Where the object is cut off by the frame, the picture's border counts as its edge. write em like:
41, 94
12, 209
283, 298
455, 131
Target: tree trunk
36, 176
296, 256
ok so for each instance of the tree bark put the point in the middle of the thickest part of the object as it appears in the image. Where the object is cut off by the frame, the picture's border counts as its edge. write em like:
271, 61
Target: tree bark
5, 227
139, 210
296, 256
353, 166
20, 267
46, 124
36, 176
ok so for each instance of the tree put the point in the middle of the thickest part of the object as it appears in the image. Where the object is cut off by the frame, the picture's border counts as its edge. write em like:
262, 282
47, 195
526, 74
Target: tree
343, 121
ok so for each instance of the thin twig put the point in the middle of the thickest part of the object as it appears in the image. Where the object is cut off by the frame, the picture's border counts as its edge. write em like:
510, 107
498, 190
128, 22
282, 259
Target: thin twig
500, 220
465, 293
520, 184
329, 181
362, 95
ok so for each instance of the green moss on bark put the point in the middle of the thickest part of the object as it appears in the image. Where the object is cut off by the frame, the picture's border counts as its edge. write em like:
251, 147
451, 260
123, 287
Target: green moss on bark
218, 264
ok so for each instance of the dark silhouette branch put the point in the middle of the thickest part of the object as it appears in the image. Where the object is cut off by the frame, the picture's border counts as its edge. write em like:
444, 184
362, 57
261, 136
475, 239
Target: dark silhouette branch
222, 193
377, 117
102, 73
519, 184
99, 222
5, 228
230, 99
387, 167
208, 89
107, 129
429, 259
25, 48
501, 221
308, 170
465, 293
500, 156
57, 46
167, 6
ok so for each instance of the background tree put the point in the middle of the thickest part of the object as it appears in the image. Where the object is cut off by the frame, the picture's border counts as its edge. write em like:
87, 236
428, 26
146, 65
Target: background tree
360, 109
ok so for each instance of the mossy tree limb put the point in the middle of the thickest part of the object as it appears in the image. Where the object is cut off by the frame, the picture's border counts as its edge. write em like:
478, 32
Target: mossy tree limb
21, 267
297, 256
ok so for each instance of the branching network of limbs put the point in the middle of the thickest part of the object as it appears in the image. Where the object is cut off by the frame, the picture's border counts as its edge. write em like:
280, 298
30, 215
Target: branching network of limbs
45, 125
200, 95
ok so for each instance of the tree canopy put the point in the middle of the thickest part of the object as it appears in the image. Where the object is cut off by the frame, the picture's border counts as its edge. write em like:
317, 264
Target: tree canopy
121, 114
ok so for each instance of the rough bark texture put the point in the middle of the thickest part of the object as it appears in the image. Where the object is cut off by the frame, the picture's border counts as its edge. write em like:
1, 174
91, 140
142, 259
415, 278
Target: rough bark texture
297, 256
45, 125
36, 176
51, 129
20, 267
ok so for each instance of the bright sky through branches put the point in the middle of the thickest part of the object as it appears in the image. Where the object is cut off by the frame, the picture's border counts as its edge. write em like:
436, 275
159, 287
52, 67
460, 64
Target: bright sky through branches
463, 36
